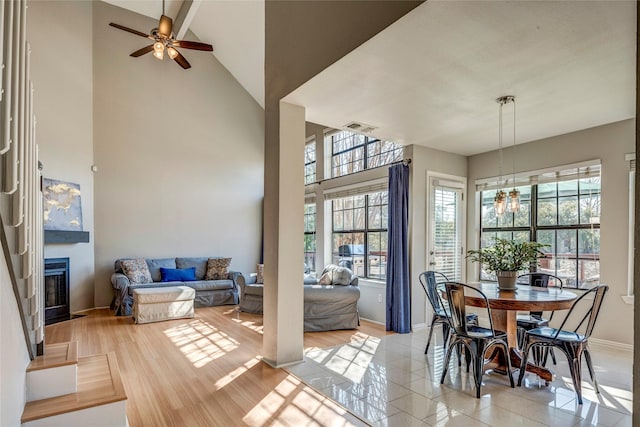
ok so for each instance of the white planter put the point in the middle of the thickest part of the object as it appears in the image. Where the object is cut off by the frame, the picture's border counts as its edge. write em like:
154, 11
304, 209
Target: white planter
507, 280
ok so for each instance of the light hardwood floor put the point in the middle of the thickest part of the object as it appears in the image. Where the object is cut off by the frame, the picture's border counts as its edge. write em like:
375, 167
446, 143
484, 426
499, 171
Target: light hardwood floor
206, 371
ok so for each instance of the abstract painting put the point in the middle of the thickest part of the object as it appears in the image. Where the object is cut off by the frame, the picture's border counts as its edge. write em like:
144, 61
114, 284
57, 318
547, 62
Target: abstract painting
62, 205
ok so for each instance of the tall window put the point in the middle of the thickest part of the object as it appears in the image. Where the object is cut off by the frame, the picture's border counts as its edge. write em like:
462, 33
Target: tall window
352, 152
359, 227
310, 162
561, 211
310, 237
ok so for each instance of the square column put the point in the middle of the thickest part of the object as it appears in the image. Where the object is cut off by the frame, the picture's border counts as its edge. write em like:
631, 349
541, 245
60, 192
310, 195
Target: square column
283, 240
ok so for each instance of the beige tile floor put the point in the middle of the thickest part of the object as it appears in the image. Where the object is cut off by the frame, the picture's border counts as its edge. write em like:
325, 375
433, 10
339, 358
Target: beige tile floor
389, 381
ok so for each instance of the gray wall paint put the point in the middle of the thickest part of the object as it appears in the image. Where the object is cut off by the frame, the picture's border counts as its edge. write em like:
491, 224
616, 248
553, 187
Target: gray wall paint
424, 160
179, 152
61, 69
609, 143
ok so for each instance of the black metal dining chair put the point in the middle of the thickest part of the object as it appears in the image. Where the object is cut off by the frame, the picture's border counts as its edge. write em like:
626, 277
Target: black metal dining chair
476, 339
534, 319
571, 342
433, 283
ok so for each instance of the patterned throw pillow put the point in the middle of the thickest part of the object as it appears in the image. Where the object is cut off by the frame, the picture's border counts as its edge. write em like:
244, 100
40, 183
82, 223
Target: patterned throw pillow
217, 268
136, 270
260, 275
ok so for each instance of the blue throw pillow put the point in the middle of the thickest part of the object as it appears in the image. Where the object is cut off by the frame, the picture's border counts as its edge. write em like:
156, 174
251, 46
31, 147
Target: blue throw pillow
177, 274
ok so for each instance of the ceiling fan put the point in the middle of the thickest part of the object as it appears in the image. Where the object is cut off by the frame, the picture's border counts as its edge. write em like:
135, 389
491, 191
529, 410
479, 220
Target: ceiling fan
164, 40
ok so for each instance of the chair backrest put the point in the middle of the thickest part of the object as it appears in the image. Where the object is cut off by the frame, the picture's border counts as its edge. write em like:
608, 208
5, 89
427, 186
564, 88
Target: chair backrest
592, 313
540, 279
429, 281
456, 293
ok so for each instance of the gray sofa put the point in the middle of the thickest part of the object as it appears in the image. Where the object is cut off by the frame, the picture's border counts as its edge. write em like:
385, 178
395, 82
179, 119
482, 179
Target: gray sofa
326, 307
208, 292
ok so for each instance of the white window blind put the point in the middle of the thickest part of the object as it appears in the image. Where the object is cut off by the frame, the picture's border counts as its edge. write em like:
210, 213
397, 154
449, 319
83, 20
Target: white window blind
357, 189
570, 172
447, 246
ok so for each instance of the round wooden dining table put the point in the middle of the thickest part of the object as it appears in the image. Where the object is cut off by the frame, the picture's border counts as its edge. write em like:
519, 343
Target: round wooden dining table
505, 305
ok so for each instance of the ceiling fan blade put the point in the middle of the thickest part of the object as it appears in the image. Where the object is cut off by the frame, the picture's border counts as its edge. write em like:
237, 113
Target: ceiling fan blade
129, 30
182, 61
142, 51
165, 26
193, 45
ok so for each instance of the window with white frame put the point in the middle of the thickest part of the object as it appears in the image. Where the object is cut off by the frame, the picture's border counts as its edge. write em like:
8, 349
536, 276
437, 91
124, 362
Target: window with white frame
353, 152
560, 209
359, 233
310, 161
310, 237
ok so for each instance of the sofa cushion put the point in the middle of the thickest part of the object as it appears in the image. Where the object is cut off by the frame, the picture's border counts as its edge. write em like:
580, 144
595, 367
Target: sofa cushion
334, 275
166, 294
330, 294
175, 274
155, 264
210, 285
136, 270
200, 263
153, 285
254, 290
260, 275
217, 268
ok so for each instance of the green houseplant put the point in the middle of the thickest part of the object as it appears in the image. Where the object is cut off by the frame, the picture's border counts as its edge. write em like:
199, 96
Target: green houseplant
506, 258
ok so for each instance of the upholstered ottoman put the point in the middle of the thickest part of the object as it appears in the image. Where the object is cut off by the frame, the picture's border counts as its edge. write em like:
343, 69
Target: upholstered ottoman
157, 304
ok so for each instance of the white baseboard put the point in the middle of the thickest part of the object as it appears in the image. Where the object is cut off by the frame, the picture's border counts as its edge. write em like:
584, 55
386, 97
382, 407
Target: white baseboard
419, 326
89, 309
611, 345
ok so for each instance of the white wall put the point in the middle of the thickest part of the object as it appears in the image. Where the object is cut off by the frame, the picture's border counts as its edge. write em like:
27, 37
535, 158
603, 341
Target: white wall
179, 152
61, 69
609, 143
14, 356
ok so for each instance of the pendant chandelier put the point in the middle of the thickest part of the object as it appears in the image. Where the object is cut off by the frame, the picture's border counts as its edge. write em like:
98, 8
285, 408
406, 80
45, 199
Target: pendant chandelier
500, 202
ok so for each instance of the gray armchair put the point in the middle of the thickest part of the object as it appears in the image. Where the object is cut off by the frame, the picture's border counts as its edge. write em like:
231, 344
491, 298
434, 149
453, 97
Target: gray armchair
251, 294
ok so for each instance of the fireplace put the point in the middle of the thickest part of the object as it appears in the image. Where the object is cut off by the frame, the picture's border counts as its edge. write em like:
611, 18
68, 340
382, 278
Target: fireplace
56, 290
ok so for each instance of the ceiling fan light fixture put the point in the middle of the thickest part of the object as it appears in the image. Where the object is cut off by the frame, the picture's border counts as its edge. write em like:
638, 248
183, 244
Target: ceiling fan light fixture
158, 50
172, 52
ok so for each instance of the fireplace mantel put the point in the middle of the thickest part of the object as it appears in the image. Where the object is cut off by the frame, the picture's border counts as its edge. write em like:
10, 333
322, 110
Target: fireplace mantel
58, 236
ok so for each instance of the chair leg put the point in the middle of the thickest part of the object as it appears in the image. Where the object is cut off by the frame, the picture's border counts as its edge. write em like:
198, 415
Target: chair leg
459, 353
574, 357
467, 357
592, 373
520, 337
446, 360
506, 349
445, 334
477, 354
433, 322
525, 356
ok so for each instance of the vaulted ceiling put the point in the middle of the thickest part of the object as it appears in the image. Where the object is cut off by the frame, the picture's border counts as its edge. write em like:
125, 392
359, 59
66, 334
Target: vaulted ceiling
432, 77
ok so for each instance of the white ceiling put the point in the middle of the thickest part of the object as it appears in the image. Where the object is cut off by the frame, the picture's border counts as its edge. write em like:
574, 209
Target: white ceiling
235, 28
433, 76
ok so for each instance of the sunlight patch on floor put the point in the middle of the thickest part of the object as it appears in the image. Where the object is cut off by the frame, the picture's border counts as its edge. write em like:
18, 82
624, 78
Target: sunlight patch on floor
350, 360
237, 372
258, 327
201, 342
292, 403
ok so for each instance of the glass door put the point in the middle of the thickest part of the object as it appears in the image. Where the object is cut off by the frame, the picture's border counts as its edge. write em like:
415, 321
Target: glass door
446, 229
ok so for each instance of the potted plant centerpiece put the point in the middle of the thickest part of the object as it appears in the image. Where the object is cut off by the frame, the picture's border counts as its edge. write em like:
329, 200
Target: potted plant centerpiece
506, 258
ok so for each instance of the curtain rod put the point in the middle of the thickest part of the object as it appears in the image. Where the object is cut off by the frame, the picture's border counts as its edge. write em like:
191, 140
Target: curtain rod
406, 162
